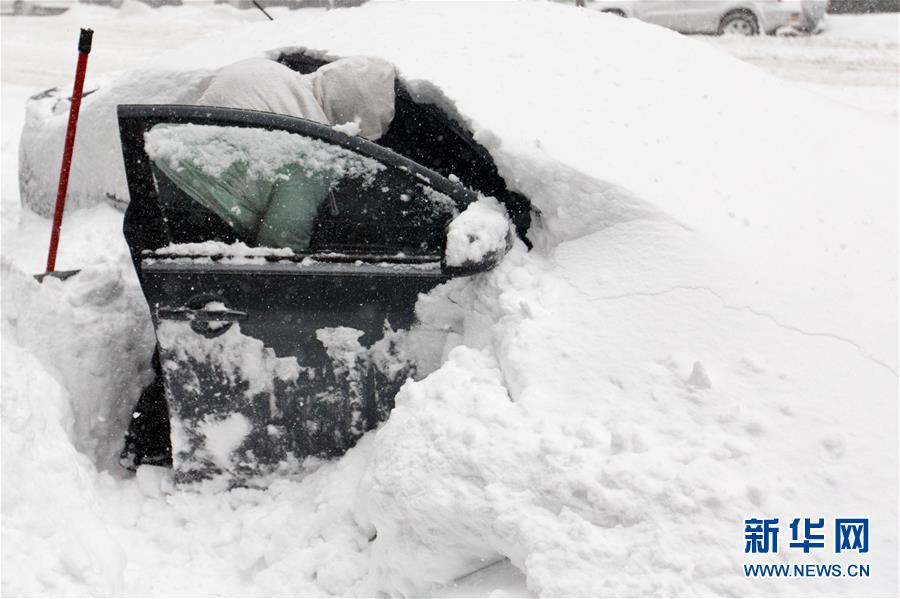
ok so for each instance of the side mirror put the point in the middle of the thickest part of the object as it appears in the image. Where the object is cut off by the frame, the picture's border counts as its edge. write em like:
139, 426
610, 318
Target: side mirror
477, 239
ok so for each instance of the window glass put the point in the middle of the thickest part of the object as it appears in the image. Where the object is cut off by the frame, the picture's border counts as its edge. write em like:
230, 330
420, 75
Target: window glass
280, 189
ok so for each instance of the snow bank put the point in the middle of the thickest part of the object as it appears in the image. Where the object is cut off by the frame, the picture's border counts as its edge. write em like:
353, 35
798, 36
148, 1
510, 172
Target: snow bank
55, 540
585, 429
705, 332
93, 334
75, 357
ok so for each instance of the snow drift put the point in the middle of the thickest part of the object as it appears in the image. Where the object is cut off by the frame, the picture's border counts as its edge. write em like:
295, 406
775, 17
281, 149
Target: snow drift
705, 332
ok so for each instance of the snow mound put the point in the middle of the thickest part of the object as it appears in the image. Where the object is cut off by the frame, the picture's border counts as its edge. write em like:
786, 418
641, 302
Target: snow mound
579, 428
93, 333
55, 539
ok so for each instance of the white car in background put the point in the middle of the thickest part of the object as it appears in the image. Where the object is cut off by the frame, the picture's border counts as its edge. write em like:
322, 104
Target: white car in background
32, 7
741, 17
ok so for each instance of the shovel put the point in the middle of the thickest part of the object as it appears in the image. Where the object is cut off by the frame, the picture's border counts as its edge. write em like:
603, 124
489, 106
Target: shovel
84, 48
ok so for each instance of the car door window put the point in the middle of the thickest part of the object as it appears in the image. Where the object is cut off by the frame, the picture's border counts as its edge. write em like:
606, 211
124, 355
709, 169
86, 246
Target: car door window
280, 189
395, 212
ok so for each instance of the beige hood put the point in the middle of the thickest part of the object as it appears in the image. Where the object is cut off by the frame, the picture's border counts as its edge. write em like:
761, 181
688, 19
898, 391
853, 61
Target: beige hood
357, 89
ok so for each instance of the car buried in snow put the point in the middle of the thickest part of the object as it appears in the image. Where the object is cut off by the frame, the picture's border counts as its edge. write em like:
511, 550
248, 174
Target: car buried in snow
287, 335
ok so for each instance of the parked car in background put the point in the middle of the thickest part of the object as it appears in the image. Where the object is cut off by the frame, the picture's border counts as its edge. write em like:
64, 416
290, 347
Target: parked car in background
118, 3
741, 17
31, 7
293, 4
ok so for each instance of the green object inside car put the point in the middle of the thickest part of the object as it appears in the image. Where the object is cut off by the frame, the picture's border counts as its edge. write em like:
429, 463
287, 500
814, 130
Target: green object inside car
277, 212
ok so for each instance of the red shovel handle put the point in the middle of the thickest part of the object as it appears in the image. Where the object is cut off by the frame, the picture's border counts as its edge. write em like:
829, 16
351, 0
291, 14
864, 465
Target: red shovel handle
84, 48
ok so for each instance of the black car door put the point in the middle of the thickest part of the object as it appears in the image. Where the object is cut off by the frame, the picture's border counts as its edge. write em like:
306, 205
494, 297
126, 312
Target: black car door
281, 261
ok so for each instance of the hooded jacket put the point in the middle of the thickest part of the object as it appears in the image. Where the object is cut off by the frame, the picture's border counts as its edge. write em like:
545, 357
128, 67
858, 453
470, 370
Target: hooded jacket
356, 90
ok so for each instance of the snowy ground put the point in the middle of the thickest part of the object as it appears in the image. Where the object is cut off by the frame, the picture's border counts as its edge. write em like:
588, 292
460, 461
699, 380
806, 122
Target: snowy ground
854, 60
689, 345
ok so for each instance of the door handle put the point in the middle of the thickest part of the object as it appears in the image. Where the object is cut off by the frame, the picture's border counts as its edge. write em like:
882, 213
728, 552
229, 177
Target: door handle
206, 314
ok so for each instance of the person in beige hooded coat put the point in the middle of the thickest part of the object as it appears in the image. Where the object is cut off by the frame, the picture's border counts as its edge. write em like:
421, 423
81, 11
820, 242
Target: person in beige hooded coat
279, 211
359, 89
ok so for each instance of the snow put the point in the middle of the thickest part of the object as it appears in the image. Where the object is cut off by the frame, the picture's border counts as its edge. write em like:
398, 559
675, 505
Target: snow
224, 437
342, 345
864, 29
479, 231
704, 332
77, 328
154, 481
854, 60
350, 128
263, 153
55, 538
347, 354
243, 357
234, 250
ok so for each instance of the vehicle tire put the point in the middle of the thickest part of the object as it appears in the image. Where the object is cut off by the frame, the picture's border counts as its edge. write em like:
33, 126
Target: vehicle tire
614, 11
739, 22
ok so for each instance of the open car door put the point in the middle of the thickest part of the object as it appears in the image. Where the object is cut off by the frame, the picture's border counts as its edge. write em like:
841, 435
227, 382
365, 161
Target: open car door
281, 260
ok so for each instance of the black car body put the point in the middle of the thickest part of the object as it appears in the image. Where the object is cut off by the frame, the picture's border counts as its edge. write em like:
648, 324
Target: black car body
270, 355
